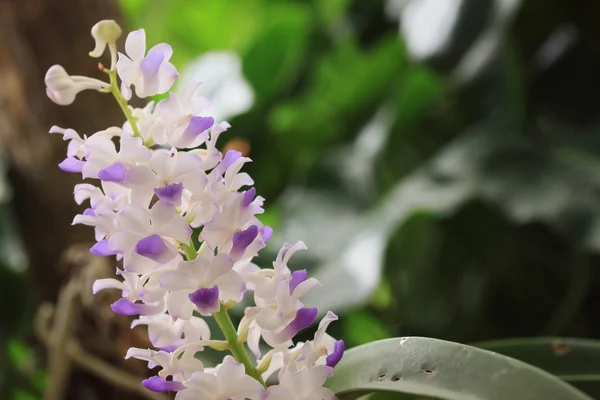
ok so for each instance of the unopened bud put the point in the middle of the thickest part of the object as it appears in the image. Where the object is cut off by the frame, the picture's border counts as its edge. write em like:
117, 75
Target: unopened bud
60, 88
104, 32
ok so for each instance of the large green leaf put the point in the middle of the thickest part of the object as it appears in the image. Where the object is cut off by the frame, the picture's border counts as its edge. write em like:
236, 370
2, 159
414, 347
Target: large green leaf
340, 93
416, 366
274, 59
576, 361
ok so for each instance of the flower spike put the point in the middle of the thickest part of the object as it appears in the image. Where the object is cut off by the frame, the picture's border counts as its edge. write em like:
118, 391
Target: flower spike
183, 222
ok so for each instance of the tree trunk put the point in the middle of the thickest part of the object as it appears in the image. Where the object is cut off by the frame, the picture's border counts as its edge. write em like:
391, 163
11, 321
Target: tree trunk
36, 34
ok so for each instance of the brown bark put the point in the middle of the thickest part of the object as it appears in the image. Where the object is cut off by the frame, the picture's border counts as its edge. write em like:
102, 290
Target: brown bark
36, 34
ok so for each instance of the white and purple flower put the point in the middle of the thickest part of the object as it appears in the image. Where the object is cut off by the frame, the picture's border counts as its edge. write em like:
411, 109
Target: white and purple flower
150, 73
181, 218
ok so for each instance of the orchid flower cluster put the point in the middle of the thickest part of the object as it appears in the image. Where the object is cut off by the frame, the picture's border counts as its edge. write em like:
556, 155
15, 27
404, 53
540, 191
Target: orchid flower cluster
182, 220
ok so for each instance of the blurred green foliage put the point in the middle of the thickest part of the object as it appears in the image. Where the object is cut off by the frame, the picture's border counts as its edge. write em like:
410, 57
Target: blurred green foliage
21, 378
485, 177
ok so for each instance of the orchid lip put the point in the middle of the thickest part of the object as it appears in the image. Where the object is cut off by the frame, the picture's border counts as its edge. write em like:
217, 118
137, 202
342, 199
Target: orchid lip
151, 63
336, 355
267, 233
206, 300
116, 173
71, 164
304, 318
158, 384
154, 248
297, 278
126, 307
196, 127
241, 241
249, 195
170, 193
102, 249
229, 158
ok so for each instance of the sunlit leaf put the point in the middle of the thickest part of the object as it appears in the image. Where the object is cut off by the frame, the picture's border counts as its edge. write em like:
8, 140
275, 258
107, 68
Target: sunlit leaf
415, 366
347, 86
275, 57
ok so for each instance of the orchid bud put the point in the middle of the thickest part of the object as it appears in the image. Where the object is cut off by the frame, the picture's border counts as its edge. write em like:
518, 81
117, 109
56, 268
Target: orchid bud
60, 87
104, 32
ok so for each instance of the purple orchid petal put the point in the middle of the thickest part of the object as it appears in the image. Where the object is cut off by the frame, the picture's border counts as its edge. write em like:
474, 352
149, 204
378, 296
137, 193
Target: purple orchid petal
170, 194
229, 158
126, 307
249, 195
101, 249
297, 278
304, 318
206, 300
151, 64
241, 241
196, 126
336, 355
267, 233
116, 173
158, 384
89, 212
154, 248
172, 348
71, 164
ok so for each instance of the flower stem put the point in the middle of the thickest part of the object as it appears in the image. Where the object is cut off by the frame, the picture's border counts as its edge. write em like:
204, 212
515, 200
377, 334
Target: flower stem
190, 251
114, 89
224, 321
237, 349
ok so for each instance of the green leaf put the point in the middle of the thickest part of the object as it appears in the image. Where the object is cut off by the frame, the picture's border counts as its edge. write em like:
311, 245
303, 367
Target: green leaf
416, 366
133, 7
273, 60
18, 352
382, 297
332, 11
20, 394
346, 85
362, 327
576, 361
192, 29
